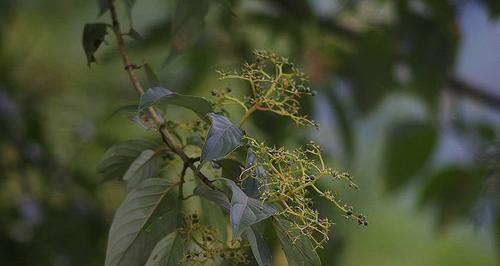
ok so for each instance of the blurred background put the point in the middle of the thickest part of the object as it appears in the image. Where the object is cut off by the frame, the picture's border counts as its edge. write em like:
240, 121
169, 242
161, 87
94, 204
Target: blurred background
408, 102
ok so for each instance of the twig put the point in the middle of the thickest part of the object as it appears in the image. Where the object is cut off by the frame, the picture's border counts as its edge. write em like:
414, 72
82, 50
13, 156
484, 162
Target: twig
165, 134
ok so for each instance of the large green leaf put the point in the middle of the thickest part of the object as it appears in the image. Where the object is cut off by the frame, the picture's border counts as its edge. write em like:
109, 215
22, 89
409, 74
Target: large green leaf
246, 211
410, 145
298, 248
147, 214
223, 137
168, 252
93, 36
147, 165
119, 157
156, 95
259, 247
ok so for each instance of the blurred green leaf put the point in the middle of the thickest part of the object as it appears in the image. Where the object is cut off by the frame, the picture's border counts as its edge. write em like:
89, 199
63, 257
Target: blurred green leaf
147, 214
168, 252
187, 24
120, 156
103, 7
93, 36
298, 248
222, 138
453, 191
132, 33
409, 146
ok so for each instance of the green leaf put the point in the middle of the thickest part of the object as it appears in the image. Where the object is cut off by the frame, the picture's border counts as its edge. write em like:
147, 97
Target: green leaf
118, 158
93, 36
194, 140
215, 196
246, 211
199, 105
410, 145
147, 165
231, 169
258, 181
168, 252
153, 79
259, 247
132, 33
128, 110
148, 213
214, 207
223, 137
298, 248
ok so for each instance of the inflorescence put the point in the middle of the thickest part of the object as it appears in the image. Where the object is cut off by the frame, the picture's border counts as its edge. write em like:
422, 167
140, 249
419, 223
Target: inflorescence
291, 177
276, 86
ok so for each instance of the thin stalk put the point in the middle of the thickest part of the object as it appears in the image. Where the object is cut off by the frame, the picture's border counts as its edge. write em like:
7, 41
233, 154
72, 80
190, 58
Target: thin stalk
129, 67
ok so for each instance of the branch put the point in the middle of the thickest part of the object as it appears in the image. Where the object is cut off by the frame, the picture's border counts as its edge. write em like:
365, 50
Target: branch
129, 67
462, 87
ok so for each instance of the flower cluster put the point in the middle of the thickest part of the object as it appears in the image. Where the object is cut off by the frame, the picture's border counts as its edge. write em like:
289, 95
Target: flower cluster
291, 177
276, 86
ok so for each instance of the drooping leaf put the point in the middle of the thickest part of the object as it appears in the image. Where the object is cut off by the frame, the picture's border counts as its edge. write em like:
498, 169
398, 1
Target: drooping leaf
153, 79
120, 156
256, 183
199, 105
146, 165
93, 36
147, 214
259, 247
128, 110
223, 137
298, 248
410, 145
215, 196
168, 252
246, 211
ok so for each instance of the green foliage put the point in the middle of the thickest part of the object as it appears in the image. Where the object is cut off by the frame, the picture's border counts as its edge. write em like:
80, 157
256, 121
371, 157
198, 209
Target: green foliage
275, 181
120, 156
159, 95
93, 36
410, 146
298, 248
223, 138
168, 252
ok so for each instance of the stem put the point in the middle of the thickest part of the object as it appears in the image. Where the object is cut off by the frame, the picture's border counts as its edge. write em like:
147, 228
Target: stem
129, 67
